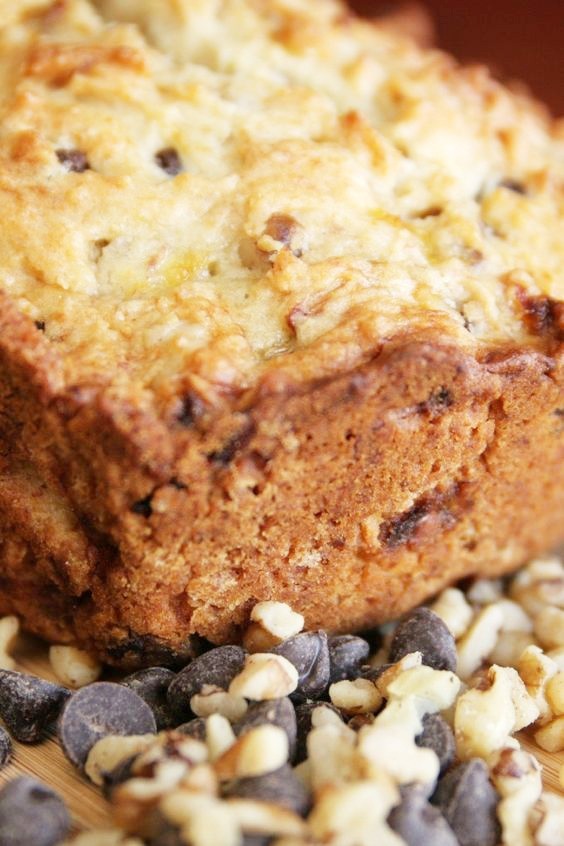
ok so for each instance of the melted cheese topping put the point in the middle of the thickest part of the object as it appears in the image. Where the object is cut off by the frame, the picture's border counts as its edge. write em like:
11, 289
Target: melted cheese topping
338, 186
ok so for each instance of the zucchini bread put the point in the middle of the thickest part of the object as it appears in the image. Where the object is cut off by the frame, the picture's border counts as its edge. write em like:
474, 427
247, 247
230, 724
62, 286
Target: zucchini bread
281, 317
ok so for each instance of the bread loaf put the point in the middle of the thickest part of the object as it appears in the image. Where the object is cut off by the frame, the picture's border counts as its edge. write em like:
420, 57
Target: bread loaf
281, 317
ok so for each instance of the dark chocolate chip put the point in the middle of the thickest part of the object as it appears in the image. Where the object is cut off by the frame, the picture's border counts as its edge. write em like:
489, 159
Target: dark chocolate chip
424, 631
277, 712
347, 653
191, 409
137, 651
143, 506
73, 160
374, 638
97, 710
309, 653
441, 398
543, 316
303, 721
237, 442
29, 704
5, 748
40, 324
401, 529
152, 685
168, 159
374, 673
468, 802
195, 728
418, 823
164, 833
438, 736
31, 814
218, 667
256, 840
515, 186
281, 787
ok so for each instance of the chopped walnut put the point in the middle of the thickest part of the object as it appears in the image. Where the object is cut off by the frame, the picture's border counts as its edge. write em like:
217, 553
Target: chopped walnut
74, 667
486, 718
479, 640
356, 813
271, 623
517, 777
536, 669
360, 696
9, 629
258, 751
110, 751
453, 609
213, 700
265, 676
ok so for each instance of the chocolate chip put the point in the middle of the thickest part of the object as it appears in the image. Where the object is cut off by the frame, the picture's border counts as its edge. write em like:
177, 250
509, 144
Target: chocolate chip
468, 801
143, 506
438, 736
152, 685
97, 710
40, 325
29, 704
515, 186
347, 653
233, 445
374, 639
136, 651
164, 833
168, 159
442, 398
167, 835
543, 316
73, 160
399, 530
303, 722
374, 673
277, 712
31, 813
418, 823
218, 667
284, 228
5, 748
195, 728
191, 409
309, 653
424, 631
281, 787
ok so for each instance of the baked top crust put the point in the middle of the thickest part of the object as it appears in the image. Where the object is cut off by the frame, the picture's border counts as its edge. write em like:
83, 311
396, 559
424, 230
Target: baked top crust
200, 196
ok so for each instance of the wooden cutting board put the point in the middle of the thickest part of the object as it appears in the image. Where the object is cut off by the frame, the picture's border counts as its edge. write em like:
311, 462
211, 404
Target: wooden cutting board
89, 810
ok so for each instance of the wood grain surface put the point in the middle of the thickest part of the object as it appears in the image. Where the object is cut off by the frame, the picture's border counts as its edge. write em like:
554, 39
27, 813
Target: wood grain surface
89, 810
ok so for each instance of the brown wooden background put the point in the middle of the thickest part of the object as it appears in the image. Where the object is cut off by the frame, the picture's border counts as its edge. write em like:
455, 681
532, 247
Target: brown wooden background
521, 39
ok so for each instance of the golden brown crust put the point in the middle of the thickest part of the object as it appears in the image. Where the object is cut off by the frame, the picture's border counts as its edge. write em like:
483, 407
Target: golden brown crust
323, 363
